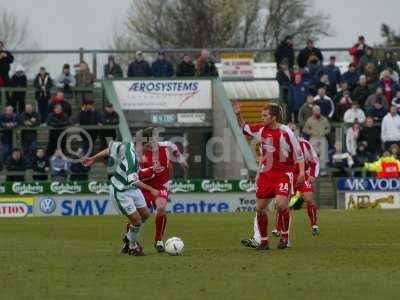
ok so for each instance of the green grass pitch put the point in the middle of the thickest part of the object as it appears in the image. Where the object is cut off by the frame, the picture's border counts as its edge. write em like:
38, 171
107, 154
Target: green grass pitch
357, 256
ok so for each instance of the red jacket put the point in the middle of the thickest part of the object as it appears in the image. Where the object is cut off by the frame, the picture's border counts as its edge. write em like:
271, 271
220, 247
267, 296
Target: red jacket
357, 53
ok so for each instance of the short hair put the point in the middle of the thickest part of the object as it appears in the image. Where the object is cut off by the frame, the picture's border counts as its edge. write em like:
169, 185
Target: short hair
275, 110
16, 150
66, 66
148, 132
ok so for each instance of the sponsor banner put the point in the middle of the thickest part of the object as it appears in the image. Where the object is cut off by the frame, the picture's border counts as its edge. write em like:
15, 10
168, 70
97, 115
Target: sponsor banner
191, 117
164, 94
369, 184
237, 65
74, 206
163, 118
362, 200
16, 207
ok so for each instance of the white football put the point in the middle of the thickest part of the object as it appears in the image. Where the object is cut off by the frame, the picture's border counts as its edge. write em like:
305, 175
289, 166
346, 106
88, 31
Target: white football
174, 246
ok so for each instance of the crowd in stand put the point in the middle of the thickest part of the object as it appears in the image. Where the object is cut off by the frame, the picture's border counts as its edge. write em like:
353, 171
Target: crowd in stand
366, 97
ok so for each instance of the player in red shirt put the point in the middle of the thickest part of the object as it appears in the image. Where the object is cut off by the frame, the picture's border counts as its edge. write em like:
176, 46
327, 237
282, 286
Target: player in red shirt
280, 153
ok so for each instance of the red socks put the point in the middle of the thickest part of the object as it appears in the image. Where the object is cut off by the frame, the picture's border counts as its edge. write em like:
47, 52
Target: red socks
283, 223
312, 214
161, 222
262, 221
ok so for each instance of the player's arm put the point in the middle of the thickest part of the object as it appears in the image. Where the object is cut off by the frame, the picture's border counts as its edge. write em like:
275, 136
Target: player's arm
313, 161
236, 110
88, 161
297, 154
177, 155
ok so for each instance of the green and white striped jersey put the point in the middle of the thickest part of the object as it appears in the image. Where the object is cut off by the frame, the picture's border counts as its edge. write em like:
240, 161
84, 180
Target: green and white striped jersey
125, 165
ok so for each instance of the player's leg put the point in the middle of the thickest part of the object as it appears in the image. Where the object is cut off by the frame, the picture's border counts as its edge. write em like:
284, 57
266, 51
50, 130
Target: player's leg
262, 222
161, 223
277, 230
312, 212
283, 220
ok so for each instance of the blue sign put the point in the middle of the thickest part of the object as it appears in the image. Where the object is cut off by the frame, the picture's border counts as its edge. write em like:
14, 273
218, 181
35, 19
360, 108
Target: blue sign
368, 184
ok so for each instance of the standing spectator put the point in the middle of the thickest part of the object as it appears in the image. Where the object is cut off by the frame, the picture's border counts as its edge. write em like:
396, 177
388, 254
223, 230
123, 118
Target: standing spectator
343, 105
358, 50
43, 83
352, 135
162, 67
306, 111
361, 92
325, 103
324, 82
59, 167
139, 67
186, 67
388, 86
66, 81
390, 130
333, 73
378, 110
58, 120
112, 70
84, 79
371, 72
297, 96
16, 163
29, 118
368, 58
205, 66
40, 164
309, 51
6, 59
314, 73
284, 78
351, 77
59, 99
389, 62
17, 99
344, 89
110, 117
8, 121
377, 96
370, 139
354, 114
285, 51
396, 101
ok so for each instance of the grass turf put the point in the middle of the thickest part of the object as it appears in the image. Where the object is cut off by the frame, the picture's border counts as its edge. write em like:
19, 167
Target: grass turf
357, 256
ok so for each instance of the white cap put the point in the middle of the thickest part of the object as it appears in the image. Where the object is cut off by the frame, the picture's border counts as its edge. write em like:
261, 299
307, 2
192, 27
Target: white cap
19, 69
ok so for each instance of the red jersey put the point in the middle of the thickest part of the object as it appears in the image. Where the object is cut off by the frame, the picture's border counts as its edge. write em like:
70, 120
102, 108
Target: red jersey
161, 163
311, 160
280, 149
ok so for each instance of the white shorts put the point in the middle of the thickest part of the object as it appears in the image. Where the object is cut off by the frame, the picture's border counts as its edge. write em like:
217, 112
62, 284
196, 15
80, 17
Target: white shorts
127, 201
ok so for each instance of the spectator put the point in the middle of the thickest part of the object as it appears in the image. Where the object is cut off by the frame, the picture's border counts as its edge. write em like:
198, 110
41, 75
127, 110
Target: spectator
368, 58
361, 92
370, 139
341, 160
378, 110
205, 65
351, 77
40, 164
358, 50
395, 151
393, 74
112, 70
325, 103
78, 171
354, 114
324, 82
29, 118
66, 81
59, 120
162, 67
6, 59
139, 67
389, 62
333, 73
110, 117
372, 76
17, 99
310, 51
344, 88
186, 67
59, 166
314, 72
285, 51
43, 84
377, 96
385, 167
390, 130
343, 105
59, 99
84, 79
284, 78
388, 86
352, 135
8, 121
306, 111
16, 163
396, 101
297, 97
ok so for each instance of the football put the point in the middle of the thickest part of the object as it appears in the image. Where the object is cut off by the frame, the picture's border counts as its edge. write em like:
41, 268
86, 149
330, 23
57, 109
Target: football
174, 246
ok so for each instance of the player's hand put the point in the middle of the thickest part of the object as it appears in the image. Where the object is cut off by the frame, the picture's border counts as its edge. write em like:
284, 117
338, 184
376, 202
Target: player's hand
155, 192
88, 161
311, 179
235, 106
300, 179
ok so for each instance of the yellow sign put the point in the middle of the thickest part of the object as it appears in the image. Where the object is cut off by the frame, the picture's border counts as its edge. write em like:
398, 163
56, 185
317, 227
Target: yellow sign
16, 207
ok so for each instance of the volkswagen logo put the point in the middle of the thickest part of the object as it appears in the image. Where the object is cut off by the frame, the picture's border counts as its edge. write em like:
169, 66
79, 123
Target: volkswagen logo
47, 206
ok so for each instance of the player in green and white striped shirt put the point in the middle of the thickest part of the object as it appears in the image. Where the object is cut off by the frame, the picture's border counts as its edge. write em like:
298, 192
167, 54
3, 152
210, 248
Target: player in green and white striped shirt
124, 190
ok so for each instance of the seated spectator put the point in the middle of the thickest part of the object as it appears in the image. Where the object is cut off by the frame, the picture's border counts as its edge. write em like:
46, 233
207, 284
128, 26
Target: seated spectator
377, 96
371, 73
16, 163
110, 117
29, 118
389, 62
309, 51
377, 111
352, 135
84, 79
205, 66
325, 103
43, 84
306, 111
186, 68
361, 91
388, 86
370, 139
396, 101
284, 78
368, 58
112, 70
333, 73
351, 77
354, 114
6, 59
58, 120
385, 167
40, 164
358, 50
162, 67
59, 99
297, 97
390, 130
59, 167
17, 99
8, 120
139, 67
285, 51
66, 81
343, 105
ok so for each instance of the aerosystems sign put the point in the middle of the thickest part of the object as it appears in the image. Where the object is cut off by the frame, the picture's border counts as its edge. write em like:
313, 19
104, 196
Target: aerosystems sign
164, 94
16, 207
372, 200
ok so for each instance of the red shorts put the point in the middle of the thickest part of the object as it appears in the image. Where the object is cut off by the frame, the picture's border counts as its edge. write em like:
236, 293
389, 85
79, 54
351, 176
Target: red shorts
271, 185
150, 199
305, 187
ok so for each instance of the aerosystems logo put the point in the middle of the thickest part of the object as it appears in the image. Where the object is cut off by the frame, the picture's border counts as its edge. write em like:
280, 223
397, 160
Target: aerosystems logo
13, 209
182, 187
99, 187
27, 189
247, 186
212, 186
65, 188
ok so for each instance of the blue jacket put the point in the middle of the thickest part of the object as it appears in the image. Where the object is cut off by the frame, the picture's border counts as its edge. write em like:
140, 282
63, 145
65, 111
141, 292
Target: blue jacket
377, 114
162, 68
333, 73
326, 105
351, 78
297, 96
